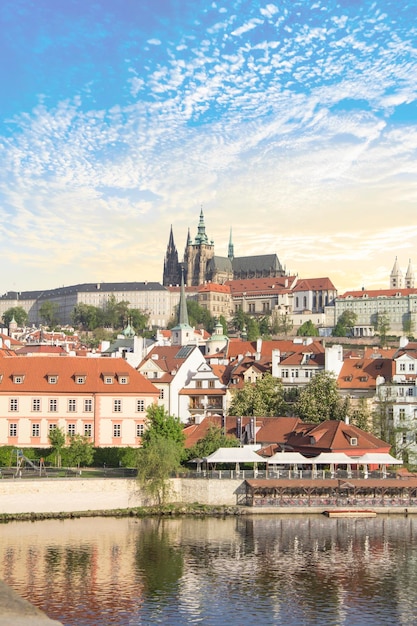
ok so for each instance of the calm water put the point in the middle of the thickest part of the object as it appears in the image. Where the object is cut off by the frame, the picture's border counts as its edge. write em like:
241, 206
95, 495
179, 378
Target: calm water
238, 571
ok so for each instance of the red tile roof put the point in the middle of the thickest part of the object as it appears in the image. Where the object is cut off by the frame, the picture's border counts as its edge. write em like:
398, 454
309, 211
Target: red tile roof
362, 373
35, 372
314, 284
261, 285
214, 287
375, 293
334, 436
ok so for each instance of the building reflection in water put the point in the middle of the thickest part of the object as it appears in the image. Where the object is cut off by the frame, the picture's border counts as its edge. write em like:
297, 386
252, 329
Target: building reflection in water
278, 570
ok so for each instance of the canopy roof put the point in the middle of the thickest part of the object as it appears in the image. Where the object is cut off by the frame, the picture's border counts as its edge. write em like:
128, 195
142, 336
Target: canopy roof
379, 458
234, 455
336, 458
288, 458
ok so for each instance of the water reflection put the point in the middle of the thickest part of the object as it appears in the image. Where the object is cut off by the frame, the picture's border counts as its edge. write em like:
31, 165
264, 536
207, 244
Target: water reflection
270, 570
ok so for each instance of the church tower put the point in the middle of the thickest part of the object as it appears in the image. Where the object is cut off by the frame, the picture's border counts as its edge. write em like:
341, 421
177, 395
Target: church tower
197, 255
172, 267
409, 277
396, 277
182, 333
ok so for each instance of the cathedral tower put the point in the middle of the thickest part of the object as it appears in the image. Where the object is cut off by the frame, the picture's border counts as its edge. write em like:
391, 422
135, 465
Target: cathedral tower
197, 255
172, 267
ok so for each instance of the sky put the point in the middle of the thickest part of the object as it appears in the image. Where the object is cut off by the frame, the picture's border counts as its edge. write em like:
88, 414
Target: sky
294, 123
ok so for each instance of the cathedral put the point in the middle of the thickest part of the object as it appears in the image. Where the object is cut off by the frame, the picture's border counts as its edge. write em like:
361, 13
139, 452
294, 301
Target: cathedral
201, 265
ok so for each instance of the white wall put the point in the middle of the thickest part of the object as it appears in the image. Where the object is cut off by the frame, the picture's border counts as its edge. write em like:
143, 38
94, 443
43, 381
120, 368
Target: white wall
57, 495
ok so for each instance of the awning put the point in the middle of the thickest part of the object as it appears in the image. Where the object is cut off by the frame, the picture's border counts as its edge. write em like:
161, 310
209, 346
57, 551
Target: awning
332, 458
235, 455
288, 458
377, 458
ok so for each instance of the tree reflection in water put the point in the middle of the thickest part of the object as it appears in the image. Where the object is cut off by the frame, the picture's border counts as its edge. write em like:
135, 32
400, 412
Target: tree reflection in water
158, 562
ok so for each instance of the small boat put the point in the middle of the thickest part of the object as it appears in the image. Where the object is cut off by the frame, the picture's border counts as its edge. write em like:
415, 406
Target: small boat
349, 513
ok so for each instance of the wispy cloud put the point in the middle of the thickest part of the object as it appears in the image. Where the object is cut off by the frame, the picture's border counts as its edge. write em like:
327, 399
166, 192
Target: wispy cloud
279, 120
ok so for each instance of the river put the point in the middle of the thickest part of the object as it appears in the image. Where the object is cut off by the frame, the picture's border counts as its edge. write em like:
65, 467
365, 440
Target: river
247, 570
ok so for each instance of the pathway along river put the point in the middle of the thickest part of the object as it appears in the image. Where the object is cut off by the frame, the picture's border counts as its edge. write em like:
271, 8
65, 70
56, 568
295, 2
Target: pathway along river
289, 570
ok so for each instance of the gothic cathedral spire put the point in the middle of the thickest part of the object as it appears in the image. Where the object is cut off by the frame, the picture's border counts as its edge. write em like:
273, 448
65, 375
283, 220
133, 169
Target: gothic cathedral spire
230, 252
172, 268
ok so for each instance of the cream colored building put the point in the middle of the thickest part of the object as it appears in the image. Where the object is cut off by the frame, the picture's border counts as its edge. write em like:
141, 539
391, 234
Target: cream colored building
104, 399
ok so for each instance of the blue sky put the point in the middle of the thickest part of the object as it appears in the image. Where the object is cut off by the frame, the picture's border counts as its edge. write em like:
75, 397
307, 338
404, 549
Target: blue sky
293, 122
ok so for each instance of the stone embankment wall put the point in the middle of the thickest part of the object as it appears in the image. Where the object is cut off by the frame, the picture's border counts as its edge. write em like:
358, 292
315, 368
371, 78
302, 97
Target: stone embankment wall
105, 494
15, 611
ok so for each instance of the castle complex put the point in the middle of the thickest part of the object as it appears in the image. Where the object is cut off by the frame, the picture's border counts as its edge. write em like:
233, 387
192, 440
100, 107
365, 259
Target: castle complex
201, 265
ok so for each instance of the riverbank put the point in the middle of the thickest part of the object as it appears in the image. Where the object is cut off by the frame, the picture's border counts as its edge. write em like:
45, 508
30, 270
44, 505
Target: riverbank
193, 510
62, 498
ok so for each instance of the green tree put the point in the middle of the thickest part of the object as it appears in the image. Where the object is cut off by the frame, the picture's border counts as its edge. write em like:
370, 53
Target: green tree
345, 324
115, 313
80, 450
212, 441
17, 313
382, 325
223, 322
361, 416
156, 462
265, 397
94, 338
49, 313
162, 452
320, 401
87, 316
307, 330
199, 316
57, 440
138, 320
240, 320
265, 326
161, 424
382, 418
408, 324
282, 324
252, 329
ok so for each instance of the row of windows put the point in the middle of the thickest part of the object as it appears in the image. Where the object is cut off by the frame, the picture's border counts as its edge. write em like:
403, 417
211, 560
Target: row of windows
403, 368
402, 414
199, 384
296, 373
72, 430
399, 391
72, 405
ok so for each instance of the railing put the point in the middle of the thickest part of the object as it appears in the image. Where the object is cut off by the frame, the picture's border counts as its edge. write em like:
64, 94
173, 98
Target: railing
244, 474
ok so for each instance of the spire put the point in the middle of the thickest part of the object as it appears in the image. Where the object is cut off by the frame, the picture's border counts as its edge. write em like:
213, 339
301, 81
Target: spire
396, 277
171, 274
189, 240
171, 244
409, 277
230, 252
201, 233
182, 309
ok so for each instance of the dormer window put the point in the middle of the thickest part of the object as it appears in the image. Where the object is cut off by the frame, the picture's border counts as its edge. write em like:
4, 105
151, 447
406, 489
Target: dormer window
80, 379
353, 441
108, 379
52, 379
123, 379
18, 379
